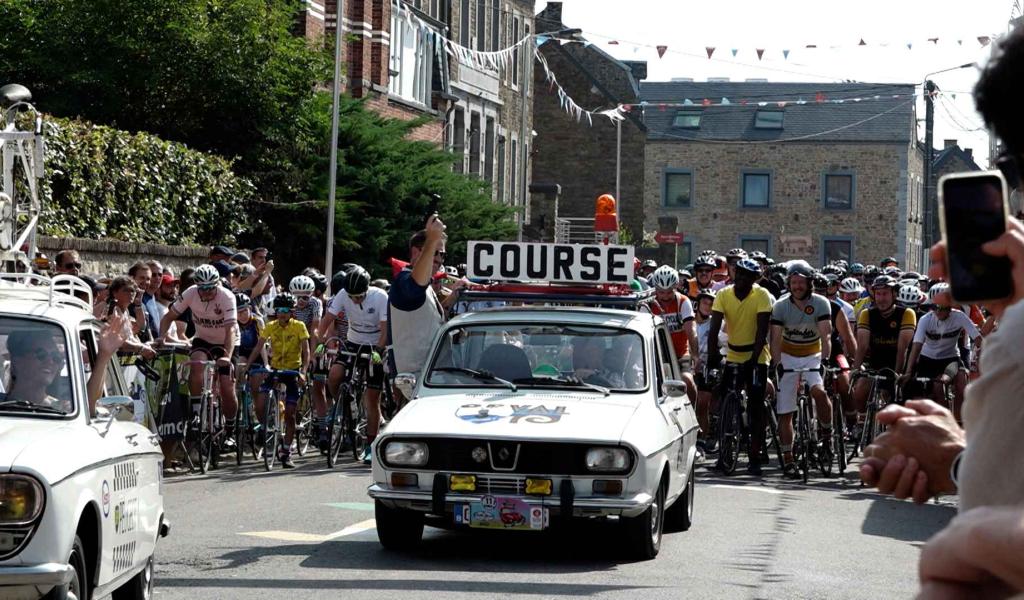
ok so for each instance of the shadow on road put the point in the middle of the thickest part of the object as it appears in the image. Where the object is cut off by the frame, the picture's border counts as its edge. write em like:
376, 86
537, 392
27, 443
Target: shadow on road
905, 521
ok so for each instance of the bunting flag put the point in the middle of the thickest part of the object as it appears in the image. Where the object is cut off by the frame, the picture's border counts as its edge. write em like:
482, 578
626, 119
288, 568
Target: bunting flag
661, 51
569, 105
613, 43
725, 101
687, 102
910, 45
934, 40
734, 51
710, 50
819, 97
760, 53
779, 103
785, 54
984, 40
706, 102
862, 42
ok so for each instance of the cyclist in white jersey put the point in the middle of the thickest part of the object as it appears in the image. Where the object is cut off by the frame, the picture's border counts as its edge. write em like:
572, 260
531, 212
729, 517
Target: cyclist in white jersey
366, 308
215, 317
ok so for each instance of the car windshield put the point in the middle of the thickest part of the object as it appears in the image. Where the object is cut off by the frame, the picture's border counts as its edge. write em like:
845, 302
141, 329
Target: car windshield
597, 359
35, 380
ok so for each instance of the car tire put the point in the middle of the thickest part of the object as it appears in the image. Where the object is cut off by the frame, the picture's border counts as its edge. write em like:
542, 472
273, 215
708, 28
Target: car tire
398, 529
78, 588
139, 587
679, 516
643, 532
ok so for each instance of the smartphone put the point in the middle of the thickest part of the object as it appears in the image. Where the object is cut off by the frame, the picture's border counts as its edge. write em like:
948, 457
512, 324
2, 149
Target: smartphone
435, 200
972, 211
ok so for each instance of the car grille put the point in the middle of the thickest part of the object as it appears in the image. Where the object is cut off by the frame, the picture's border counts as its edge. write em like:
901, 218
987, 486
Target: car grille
493, 484
505, 456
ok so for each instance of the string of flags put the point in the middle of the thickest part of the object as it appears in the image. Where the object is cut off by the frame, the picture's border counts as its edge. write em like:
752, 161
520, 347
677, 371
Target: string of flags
819, 98
567, 103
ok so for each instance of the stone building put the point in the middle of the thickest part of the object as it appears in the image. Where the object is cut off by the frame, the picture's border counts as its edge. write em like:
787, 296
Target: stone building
580, 156
786, 169
953, 159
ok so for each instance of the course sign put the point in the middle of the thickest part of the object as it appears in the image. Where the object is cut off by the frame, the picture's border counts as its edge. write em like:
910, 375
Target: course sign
553, 263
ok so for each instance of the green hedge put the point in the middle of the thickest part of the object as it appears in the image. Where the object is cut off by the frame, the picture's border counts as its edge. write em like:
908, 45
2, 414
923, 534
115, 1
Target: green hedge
107, 183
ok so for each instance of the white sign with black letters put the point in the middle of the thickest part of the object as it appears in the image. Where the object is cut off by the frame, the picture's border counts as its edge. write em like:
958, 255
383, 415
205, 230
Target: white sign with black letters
554, 263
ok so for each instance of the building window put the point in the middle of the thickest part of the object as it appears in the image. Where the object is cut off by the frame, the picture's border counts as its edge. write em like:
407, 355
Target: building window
489, 150
464, 23
756, 243
411, 62
768, 119
513, 174
481, 25
757, 189
474, 143
836, 248
515, 53
684, 254
838, 191
501, 167
496, 26
687, 119
677, 191
459, 140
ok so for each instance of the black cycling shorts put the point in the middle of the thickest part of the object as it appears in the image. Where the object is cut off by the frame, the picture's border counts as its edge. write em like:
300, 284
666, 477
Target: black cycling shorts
214, 351
935, 367
374, 373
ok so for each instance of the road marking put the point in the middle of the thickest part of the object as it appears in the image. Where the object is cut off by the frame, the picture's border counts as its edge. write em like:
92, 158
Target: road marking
367, 506
298, 536
747, 488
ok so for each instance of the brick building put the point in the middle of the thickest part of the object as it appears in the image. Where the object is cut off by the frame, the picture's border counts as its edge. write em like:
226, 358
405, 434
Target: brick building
578, 156
816, 180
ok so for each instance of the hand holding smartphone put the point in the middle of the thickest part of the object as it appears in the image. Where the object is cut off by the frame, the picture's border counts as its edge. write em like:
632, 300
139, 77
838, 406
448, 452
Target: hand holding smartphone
973, 211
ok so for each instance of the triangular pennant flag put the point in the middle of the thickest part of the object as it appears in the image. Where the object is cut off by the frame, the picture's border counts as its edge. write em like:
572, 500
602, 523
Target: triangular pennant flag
613, 43
734, 51
782, 104
563, 41
819, 97
687, 102
710, 50
801, 102
661, 51
785, 54
706, 102
934, 40
862, 42
984, 40
587, 44
954, 96
811, 46
909, 45
959, 42
744, 102
762, 104
725, 101
541, 39
760, 53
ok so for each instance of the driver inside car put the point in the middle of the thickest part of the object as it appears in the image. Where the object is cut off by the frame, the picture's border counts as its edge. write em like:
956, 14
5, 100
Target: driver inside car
588, 363
36, 361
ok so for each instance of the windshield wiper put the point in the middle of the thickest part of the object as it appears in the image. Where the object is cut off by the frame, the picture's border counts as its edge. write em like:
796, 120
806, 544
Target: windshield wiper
30, 407
483, 375
571, 382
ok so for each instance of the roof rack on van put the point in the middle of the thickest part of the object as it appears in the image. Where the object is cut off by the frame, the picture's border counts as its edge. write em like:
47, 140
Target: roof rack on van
598, 295
58, 290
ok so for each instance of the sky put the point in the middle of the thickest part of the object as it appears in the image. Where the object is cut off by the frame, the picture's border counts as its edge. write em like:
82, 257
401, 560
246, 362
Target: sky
689, 27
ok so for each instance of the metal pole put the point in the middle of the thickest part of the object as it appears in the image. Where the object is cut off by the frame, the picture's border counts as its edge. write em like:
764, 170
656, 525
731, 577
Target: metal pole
524, 135
930, 208
333, 176
618, 161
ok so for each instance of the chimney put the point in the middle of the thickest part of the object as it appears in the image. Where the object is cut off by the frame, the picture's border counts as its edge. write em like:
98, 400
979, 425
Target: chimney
948, 144
638, 68
552, 13
969, 152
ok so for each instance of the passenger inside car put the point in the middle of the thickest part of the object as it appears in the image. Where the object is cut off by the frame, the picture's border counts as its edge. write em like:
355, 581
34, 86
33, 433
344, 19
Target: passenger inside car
37, 373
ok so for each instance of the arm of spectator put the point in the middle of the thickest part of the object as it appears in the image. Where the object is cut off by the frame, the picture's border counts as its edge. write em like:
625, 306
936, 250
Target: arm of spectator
846, 335
423, 272
111, 337
825, 333
165, 322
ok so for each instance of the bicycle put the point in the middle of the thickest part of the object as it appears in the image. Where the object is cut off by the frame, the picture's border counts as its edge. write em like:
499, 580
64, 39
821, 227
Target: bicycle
838, 418
928, 385
877, 400
731, 424
273, 413
808, 449
209, 431
352, 392
248, 426
305, 421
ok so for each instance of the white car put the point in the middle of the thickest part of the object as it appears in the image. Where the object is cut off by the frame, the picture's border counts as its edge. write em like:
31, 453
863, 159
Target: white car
81, 500
528, 414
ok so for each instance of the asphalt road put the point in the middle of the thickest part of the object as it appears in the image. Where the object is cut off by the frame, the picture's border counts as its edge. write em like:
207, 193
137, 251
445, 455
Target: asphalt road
309, 533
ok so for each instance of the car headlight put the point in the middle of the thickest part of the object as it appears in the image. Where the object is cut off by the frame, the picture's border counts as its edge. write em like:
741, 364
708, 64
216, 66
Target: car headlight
21, 499
607, 460
406, 454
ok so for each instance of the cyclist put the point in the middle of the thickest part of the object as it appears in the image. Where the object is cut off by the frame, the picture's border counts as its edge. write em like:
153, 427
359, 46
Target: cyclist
702, 325
831, 291
215, 317
309, 310
857, 272
935, 349
884, 335
250, 329
850, 290
703, 267
801, 333
677, 311
731, 258
366, 308
910, 296
745, 308
289, 351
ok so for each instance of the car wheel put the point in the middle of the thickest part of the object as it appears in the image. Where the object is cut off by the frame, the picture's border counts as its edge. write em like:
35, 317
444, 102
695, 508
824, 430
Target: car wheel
78, 587
398, 528
139, 587
679, 516
643, 532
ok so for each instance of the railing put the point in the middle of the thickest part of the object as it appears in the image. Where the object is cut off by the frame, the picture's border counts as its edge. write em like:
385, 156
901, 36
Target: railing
61, 289
575, 230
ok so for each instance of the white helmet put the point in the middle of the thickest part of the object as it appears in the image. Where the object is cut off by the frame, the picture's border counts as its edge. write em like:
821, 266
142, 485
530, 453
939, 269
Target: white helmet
938, 288
850, 285
909, 295
301, 285
206, 275
665, 278
451, 271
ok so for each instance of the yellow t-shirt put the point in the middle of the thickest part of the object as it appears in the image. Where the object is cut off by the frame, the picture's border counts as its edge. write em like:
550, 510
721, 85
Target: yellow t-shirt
741, 317
286, 340
860, 305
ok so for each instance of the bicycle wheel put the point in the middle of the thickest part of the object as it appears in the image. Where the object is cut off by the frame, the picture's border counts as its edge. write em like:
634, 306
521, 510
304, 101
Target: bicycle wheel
205, 433
804, 440
729, 433
839, 434
335, 432
304, 421
271, 429
773, 430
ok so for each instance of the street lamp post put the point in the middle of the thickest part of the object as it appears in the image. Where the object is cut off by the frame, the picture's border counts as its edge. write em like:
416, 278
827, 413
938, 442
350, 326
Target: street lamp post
333, 176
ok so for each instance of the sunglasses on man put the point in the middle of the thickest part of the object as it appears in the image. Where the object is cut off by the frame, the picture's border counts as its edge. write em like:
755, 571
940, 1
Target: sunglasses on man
71, 265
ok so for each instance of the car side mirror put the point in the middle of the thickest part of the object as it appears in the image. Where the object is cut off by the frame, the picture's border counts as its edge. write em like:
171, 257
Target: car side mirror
406, 383
121, 408
674, 388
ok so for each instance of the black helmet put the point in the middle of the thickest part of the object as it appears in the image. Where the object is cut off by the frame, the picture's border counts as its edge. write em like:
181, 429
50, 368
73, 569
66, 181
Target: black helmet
242, 300
801, 268
357, 281
338, 281
736, 253
705, 261
650, 263
832, 269
887, 260
320, 282
284, 300
819, 281
748, 265
884, 281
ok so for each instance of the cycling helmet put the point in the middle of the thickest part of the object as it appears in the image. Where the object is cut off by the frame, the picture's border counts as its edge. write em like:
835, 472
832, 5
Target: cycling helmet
769, 261
381, 283
913, 276
357, 281
748, 265
451, 271
832, 269
242, 300
884, 281
206, 275
338, 281
708, 253
850, 286
705, 261
758, 256
938, 288
685, 274
736, 253
888, 260
706, 293
841, 263
893, 272
857, 269
284, 300
800, 268
871, 271
909, 296
320, 282
820, 282
664, 278
301, 285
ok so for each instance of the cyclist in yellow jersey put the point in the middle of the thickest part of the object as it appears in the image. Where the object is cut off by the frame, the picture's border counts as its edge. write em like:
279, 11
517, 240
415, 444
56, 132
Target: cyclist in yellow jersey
746, 308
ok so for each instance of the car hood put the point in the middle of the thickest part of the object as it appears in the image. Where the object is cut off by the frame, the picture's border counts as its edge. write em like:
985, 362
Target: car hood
527, 414
22, 439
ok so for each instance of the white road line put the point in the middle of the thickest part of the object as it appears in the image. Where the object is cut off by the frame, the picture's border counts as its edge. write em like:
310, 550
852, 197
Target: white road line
298, 536
747, 488
354, 529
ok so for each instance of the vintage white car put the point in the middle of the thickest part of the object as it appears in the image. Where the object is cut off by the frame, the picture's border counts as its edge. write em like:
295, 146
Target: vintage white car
528, 414
81, 501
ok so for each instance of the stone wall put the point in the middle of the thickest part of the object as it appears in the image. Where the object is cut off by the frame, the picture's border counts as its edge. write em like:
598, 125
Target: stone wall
882, 172
111, 257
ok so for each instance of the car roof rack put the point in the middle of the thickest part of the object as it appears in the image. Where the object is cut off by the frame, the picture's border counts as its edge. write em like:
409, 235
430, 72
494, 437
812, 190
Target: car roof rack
58, 290
596, 295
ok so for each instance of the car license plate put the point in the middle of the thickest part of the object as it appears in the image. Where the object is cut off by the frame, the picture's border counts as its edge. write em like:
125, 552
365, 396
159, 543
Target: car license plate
496, 512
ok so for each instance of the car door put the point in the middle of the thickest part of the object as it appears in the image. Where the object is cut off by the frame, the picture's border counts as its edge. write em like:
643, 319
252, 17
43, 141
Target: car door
673, 408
